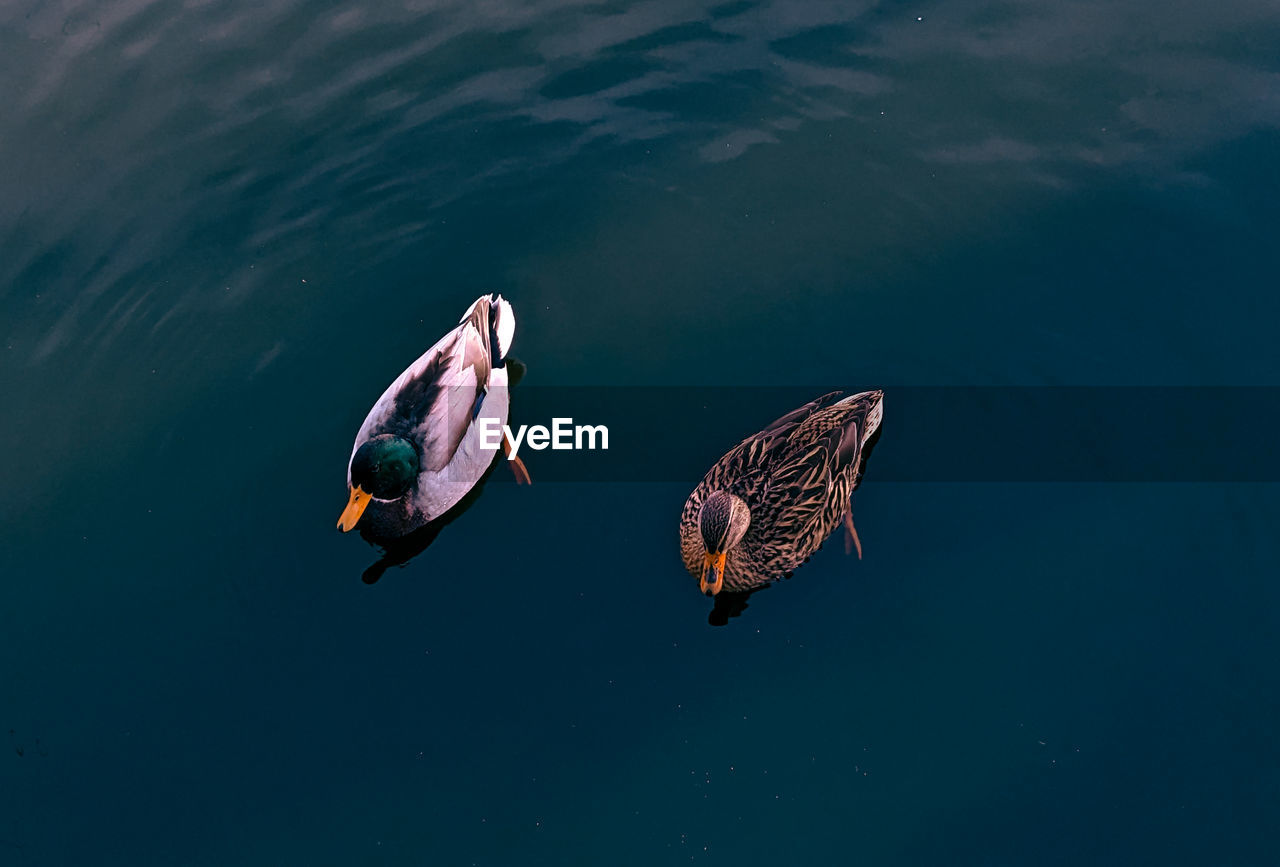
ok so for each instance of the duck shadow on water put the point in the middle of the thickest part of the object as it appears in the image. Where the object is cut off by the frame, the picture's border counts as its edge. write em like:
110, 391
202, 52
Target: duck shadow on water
398, 552
729, 604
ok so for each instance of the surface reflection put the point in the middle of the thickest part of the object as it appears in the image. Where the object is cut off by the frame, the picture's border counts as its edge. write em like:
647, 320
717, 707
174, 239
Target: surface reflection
364, 123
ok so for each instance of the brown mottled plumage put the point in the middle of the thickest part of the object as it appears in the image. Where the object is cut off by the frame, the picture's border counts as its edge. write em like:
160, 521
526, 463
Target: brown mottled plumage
794, 478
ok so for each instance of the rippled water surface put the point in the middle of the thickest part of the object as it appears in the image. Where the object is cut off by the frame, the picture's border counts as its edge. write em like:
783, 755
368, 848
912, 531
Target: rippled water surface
226, 226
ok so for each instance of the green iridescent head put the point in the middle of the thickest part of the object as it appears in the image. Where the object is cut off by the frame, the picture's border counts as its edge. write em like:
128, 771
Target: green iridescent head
386, 467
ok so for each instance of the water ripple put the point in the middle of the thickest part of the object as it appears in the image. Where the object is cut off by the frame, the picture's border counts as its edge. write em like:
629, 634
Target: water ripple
149, 127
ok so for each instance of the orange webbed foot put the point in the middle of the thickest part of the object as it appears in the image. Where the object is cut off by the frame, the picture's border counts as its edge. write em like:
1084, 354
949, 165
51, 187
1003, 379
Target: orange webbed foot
518, 469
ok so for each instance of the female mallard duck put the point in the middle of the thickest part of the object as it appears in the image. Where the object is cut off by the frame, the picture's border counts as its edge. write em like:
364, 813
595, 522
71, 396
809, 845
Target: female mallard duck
769, 504
419, 449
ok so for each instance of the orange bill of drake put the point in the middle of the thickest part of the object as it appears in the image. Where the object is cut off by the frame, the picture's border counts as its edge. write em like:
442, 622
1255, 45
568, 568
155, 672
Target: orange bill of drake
355, 508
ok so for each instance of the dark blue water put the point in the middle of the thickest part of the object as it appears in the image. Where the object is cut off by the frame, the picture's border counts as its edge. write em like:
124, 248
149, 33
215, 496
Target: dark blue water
225, 227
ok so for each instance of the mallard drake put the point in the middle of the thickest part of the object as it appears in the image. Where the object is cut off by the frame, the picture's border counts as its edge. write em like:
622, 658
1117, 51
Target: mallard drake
768, 504
419, 449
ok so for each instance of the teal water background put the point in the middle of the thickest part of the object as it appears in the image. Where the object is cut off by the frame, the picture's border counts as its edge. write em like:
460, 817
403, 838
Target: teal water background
226, 226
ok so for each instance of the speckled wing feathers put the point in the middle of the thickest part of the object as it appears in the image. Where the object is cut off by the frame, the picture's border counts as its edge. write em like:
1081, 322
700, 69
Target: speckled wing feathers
796, 476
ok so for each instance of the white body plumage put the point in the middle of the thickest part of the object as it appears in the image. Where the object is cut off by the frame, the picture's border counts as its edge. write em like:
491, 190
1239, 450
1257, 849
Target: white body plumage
437, 404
